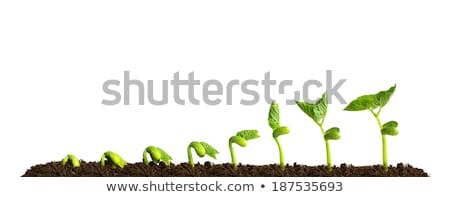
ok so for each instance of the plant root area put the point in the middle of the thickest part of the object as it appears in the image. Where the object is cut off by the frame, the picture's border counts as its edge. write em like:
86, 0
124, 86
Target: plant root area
208, 169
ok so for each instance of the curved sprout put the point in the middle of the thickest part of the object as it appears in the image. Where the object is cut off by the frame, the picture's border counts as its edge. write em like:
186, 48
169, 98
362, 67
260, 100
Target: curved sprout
72, 160
241, 139
274, 123
113, 158
202, 149
157, 155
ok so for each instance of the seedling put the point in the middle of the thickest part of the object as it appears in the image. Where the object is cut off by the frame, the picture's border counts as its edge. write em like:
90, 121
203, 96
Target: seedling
375, 103
274, 123
157, 155
318, 112
113, 158
202, 149
241, 139
72, 159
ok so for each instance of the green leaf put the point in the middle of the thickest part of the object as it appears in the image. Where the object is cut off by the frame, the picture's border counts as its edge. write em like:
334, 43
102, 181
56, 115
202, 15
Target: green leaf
392, 123
308, 109
332, 134
280, 131
382, 97
361, 103
389, 131
210, 151
321, 106
248, 134
199, 149
315, 111
371, 101
166, 158
157, 155
274, 116
238, 140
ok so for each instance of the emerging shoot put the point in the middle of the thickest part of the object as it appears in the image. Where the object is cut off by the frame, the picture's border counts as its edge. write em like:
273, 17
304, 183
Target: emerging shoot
72, 159
157, 155
375, 103
241, 139
202, 149
114, 159
318, 112
274, 123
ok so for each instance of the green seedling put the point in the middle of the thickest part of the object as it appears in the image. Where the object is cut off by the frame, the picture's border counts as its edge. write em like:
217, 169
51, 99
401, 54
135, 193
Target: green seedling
375, 103
72, 159
241, 139
274, 123
113, 158
157, 155
202, 149
318, 112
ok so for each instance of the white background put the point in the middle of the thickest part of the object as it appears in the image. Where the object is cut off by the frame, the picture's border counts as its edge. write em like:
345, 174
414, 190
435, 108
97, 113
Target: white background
55, 56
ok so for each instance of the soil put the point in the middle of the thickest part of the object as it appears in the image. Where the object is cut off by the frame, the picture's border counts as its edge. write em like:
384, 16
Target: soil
93, 169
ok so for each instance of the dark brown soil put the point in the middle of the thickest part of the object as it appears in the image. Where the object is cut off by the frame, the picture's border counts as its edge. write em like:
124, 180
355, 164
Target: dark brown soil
93, 169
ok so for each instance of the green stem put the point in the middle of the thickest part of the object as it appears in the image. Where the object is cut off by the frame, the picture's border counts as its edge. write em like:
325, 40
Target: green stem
329, 163
144, 157
385, 159
383, 139
102, 160
233, 158
191, 160
280, 149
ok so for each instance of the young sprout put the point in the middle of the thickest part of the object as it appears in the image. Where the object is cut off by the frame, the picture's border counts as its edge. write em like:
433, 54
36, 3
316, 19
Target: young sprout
202, 149
157, 155
374, 103
274, 123
113, 158
72, 159
241, 139
318, 112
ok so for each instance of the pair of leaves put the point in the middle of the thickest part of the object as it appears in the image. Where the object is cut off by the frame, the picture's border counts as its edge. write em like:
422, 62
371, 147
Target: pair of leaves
203, 148
243, 136
390, 128
332, 134
157, 155
72, 159
316, 111
274, 121
114, 158
372, 101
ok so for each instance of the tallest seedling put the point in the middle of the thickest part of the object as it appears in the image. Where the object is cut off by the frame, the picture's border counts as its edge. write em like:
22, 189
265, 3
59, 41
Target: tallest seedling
317, 112
274, 123
375, 103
